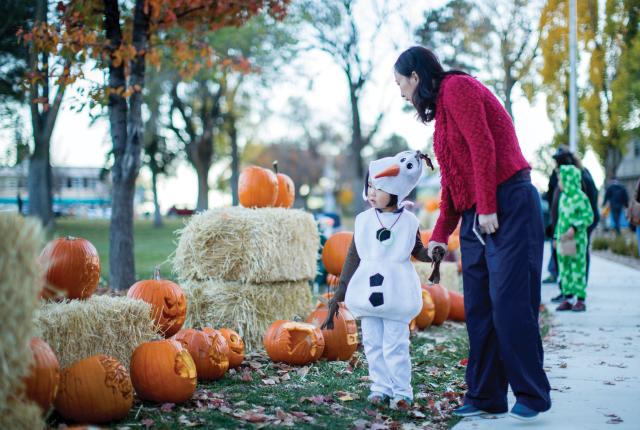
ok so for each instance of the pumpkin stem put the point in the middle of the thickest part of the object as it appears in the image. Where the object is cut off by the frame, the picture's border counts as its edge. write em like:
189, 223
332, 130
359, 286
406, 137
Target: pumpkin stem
71, 238
156, 273
275, 166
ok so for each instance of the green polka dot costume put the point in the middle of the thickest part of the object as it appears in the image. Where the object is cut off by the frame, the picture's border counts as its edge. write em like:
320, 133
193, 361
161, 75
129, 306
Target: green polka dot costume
574, 210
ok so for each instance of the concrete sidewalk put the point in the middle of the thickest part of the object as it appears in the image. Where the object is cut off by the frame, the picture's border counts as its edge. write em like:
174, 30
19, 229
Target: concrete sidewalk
592, 359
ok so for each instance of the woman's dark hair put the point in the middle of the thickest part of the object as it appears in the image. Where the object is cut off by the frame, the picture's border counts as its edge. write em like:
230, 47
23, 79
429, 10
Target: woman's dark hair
393, 199
430, 72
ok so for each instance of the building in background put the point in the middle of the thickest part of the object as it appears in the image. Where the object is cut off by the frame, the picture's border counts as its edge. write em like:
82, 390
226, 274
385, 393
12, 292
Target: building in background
77, 191
629, 170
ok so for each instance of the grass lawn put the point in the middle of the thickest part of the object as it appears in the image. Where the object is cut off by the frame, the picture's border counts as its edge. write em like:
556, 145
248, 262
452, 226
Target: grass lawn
322, 395
152, 246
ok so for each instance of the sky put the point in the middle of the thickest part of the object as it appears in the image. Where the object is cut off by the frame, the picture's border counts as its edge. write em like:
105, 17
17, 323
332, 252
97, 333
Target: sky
75, 142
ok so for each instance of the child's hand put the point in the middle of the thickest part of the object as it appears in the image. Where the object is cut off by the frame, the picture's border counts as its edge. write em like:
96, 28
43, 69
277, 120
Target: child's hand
570, 233
333, 311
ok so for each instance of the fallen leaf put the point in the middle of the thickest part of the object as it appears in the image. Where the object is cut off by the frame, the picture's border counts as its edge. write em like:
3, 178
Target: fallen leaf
167, 407
563, 365
147, 422
302, 372
269, 381
246, 376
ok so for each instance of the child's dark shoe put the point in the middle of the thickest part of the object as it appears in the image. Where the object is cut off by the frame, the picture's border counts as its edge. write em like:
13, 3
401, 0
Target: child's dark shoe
376, 398
558, 299
401, 403
565, 306
580, 306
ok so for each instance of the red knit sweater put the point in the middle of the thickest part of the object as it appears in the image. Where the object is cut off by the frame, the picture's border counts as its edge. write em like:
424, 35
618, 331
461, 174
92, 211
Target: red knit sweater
476, 147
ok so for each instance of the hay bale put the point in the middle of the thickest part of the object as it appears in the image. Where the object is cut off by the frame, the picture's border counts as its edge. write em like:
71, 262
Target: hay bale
256, 246
20, 282
449, 276
248, 309
77, 329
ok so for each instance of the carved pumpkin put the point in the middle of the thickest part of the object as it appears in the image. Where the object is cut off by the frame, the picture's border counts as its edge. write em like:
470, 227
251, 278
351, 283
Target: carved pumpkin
209, 351
71, 267
440, 297
257, 187
293, 342
333, 281
163, 371
456, 313
286, 189
95, 390
236, 347
44, 377
428, 312
335, 251
341, 342
168, 303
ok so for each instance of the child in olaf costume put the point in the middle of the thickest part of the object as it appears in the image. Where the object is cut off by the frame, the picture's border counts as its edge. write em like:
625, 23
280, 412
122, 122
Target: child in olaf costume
378, 283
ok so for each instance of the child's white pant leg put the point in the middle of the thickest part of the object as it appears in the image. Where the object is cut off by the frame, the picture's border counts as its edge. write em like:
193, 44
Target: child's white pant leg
372, 335
395, 348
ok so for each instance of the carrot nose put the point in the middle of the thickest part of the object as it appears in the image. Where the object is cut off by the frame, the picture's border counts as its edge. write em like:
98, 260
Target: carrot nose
389, 171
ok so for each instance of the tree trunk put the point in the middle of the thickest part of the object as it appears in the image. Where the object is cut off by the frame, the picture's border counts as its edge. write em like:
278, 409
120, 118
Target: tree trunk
202, 170
126, 134
157, 216
508, 89
235, 161
40, 183
356, 149
612, 162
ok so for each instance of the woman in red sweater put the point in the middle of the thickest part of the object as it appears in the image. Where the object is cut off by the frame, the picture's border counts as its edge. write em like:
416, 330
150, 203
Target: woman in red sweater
486, 182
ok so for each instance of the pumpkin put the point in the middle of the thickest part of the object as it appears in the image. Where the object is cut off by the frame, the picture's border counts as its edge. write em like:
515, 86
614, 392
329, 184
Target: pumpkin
341, 342
432, 204
163, 371
286, 189
95, 390
257, 187
333, 281
454, 242
441, 300
413, 327
168, 303
209, 351
428, 312
71, 266
335, 251
44, 376
456, 313
293, 342
236, 347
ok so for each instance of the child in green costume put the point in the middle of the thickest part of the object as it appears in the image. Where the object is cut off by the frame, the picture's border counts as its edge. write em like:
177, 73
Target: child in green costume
574, 216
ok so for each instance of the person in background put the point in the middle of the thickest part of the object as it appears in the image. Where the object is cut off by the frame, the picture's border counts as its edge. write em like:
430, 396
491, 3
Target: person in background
617, 198
563, 157
574, 218
631, 220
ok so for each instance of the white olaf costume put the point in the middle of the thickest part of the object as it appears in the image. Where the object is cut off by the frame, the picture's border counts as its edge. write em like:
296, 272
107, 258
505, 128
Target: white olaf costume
384, 292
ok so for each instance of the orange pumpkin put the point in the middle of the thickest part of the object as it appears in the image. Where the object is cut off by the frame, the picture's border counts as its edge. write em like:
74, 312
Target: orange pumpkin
293, 342
454, 242
428, 312
168, 303
44, 377
286, 189
432, 204
440, 297
163, 371
333, 281
236, 347
209, 351
257, 187
413, 327
456, 313
335, 251
72, 268
95, 390
341, 342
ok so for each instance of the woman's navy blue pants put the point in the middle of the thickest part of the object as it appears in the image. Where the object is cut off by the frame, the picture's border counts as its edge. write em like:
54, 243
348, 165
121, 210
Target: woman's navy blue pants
502, 281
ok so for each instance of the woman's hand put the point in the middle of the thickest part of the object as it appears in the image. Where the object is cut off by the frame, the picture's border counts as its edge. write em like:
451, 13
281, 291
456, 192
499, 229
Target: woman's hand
488, 223
433, 245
